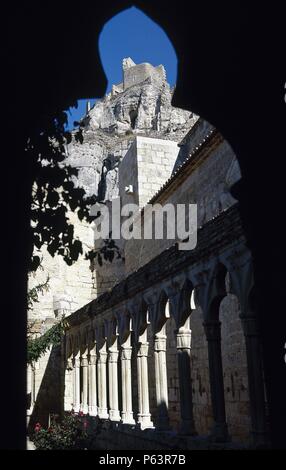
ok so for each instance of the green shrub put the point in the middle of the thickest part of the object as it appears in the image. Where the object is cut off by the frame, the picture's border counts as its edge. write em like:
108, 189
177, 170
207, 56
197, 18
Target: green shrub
71, 433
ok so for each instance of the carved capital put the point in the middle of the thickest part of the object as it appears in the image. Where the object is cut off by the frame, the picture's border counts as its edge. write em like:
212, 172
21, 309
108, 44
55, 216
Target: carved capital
84, 361
143, 350
160, 343
126, 353
102, 358
212, 331
77, 362
69, 364
92, 359
113, 356
184, 340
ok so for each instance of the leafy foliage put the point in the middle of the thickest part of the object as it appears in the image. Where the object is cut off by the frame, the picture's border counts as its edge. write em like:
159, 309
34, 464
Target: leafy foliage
68, 434
36, 347
55, 192
33, 294
106, 252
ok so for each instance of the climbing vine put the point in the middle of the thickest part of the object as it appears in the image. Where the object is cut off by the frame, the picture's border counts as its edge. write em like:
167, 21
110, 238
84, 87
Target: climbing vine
36, 347
33, 293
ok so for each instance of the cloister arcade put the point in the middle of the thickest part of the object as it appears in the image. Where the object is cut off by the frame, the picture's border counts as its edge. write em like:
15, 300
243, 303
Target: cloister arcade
172, 357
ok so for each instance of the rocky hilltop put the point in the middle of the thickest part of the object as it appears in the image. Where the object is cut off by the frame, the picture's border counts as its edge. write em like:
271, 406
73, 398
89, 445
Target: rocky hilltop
140, 105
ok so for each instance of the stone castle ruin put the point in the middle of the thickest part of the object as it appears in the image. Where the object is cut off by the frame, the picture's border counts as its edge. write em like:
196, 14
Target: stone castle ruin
161, 345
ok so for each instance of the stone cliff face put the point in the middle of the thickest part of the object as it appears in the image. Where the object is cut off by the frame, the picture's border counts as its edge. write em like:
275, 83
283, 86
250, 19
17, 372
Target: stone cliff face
144, 108
141, 105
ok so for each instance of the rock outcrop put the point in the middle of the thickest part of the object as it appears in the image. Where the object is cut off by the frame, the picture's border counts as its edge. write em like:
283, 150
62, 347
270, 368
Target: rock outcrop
140, 105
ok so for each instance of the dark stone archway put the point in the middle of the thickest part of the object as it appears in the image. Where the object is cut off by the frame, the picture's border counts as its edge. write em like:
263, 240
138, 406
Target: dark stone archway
230, 72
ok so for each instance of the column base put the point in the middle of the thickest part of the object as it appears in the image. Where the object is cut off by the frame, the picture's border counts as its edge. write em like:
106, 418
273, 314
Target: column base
68, 407
77, 408
84, 409
187, 428
102, 413
219, 433
114, 415
92, 410
127, 418
144, 422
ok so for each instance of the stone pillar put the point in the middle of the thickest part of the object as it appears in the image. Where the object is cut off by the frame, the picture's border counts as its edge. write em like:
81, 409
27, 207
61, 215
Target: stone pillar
114, 414
161, 382
84, 366
76, 383
184, 337
127, 412
255, 381
92, 393
29, 381
102, 384
30, 390
144, 415
69, 385
219, 432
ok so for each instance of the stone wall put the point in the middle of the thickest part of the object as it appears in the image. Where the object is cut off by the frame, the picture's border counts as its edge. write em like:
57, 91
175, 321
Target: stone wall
201, 394
208, 186
156, 159
128, 176
45, 388
139, 73
192, 139
71, 284
107, 275
69, 288
146, 166
173, 376
235, 369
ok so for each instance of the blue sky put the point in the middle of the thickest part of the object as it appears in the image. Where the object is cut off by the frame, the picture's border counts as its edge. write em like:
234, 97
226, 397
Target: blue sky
130, 34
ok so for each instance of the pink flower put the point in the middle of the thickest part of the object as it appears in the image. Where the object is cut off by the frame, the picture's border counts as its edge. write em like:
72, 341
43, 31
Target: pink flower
85, 424
80, 413
38, 427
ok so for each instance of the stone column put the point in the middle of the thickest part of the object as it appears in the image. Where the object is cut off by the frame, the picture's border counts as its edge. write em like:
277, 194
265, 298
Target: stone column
76, 383
114, 414
102, 384
184, 337
69, 385
30, 389
84, 366
92, 393
127, 412
161, 382
219, 432
255, 381
144, 415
